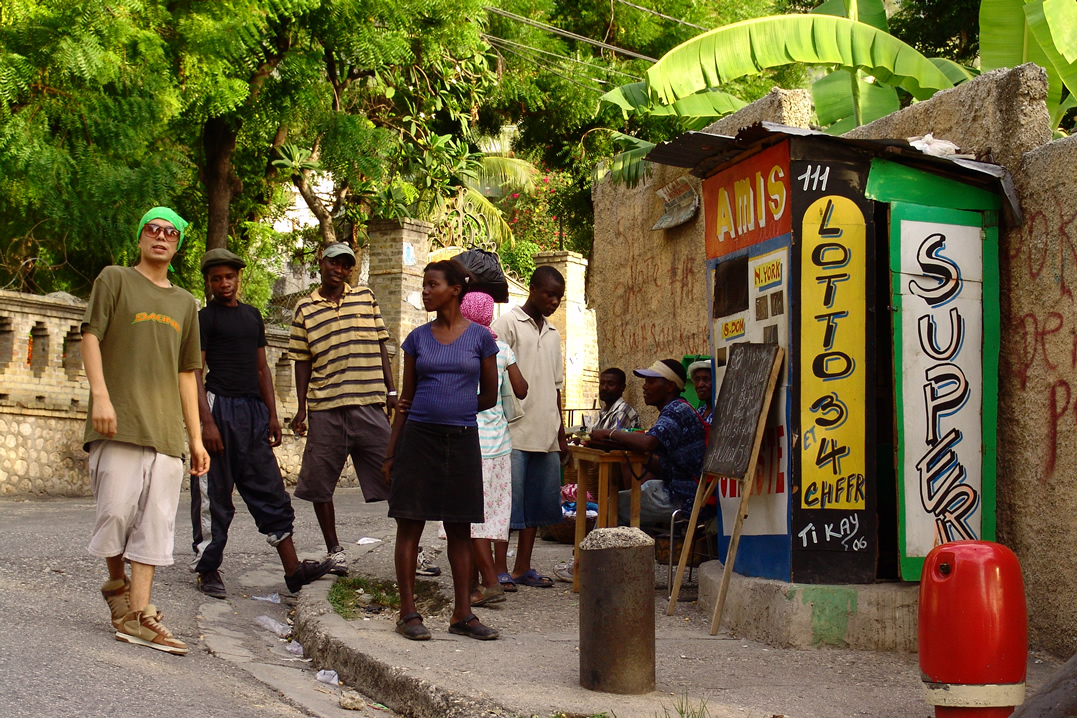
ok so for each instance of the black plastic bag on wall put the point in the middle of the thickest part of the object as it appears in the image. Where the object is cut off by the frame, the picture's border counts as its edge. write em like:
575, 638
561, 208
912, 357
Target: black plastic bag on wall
486, 268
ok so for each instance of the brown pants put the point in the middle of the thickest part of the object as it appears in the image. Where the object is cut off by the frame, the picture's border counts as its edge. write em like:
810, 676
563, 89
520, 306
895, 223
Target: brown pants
361, 432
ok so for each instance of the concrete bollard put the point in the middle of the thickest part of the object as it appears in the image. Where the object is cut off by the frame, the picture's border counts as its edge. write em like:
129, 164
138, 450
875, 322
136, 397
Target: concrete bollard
617, 608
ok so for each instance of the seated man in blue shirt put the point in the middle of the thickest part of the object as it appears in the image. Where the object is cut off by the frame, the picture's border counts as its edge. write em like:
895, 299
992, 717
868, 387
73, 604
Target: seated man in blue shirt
676, 443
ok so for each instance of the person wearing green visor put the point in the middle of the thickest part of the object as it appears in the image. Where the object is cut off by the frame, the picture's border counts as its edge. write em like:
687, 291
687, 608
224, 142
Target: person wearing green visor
140, 347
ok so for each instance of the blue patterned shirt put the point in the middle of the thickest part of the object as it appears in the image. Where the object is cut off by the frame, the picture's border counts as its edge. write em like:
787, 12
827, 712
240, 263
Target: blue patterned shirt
682, 442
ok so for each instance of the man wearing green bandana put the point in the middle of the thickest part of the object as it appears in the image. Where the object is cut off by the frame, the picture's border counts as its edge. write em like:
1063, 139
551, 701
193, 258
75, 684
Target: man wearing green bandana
140, 347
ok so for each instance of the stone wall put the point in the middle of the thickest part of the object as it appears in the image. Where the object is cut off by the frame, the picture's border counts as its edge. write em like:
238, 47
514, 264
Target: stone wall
43, 395
649, 288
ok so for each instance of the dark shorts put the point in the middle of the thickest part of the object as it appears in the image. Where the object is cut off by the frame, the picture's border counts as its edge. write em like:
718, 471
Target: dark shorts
361, 432
437, 474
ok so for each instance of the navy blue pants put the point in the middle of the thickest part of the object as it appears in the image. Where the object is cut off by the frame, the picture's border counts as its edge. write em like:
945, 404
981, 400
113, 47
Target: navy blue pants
247, 464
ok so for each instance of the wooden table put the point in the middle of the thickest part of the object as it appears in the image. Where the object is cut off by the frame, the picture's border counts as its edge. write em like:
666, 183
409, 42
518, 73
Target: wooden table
607, 494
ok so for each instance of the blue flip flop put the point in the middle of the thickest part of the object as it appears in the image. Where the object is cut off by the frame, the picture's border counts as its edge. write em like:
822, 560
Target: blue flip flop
532, 578
507, 582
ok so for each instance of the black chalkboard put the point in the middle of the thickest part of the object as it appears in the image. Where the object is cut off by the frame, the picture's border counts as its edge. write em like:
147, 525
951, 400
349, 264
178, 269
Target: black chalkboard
745, 395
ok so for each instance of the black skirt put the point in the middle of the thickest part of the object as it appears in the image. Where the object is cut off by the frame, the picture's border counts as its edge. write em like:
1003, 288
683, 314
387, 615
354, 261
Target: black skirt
437, 474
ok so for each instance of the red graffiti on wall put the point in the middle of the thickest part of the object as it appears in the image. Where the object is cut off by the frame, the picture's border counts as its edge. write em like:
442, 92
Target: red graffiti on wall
657, 307
1039, 270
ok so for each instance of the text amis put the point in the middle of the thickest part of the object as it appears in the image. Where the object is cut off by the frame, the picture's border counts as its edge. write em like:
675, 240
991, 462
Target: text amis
755, 200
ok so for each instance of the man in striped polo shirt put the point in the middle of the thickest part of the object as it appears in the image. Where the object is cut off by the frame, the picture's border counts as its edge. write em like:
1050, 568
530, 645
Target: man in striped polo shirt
343, 377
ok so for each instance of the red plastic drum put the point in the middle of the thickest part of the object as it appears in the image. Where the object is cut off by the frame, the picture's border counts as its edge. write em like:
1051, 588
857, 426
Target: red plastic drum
973, 630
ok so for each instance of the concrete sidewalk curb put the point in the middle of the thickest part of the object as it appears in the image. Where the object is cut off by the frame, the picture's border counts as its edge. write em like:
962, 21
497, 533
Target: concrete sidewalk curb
329, 640
866, 617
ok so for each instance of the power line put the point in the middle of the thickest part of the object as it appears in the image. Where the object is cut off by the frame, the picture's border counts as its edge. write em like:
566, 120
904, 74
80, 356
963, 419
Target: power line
496, 39
550, 69
566, 33
664, 17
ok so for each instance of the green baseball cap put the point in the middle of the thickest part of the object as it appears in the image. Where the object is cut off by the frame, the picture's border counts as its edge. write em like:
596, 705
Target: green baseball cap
338, 249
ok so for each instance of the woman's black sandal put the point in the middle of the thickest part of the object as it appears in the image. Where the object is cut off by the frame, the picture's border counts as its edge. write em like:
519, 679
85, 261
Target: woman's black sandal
414, 632
479, 632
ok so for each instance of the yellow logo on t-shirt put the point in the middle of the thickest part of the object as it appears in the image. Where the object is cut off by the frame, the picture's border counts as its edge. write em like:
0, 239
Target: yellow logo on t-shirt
155, 317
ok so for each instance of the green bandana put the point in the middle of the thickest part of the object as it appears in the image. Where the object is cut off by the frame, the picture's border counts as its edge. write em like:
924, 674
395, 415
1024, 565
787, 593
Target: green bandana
168, 215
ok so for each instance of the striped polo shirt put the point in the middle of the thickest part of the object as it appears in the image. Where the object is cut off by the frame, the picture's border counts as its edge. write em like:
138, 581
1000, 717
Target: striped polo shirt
343, 344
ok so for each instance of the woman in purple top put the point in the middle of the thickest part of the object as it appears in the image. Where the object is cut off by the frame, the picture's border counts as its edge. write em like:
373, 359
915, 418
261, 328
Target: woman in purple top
433, 462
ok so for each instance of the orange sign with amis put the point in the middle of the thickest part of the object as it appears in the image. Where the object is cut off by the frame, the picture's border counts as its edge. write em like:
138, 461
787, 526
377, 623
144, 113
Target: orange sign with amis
748, 203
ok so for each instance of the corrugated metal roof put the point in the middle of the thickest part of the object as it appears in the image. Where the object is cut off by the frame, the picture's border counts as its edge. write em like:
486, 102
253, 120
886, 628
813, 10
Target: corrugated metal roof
707, 153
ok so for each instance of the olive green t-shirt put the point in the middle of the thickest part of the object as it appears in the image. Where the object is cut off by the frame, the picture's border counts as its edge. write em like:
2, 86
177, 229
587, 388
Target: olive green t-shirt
148, 335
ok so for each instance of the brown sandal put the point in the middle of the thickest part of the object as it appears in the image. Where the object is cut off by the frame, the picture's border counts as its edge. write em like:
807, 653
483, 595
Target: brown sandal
478, 631
492, 594
414, 632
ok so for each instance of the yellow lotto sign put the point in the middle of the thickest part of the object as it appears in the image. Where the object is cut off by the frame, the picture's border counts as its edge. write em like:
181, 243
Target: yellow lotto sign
833, 355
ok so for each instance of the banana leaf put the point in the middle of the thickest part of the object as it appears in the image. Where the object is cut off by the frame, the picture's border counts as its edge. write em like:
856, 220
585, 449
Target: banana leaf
955, 72
1054, 39
833, 98
1007, 41
869, 12
1063, 107
749, 47
1061, 16
633, 98
629, 167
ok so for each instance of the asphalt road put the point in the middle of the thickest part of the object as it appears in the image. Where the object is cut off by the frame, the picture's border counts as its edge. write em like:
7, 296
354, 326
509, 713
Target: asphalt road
58, 654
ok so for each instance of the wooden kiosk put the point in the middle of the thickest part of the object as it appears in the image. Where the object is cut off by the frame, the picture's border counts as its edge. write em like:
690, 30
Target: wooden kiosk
875, 268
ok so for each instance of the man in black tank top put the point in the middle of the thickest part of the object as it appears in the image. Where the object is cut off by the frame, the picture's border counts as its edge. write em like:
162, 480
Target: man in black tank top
240, 427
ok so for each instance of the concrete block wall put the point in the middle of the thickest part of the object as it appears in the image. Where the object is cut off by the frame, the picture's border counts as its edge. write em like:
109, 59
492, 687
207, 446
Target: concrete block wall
577, 326
1001, 114
397, 253
1037, 478
649, 288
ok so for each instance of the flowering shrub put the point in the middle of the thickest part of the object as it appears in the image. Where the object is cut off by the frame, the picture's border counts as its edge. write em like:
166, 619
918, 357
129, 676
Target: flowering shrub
540, 221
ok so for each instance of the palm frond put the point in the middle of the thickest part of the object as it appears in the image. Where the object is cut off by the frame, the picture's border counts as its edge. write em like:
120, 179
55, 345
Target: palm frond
504, 173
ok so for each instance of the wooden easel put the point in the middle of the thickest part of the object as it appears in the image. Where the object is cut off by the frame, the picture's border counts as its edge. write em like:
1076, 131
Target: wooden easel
708, 483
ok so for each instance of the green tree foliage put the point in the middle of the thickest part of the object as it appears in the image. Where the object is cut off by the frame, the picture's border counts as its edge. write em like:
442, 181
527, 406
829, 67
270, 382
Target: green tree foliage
940, 28
394, 132
85, 104
107, 107
549, 85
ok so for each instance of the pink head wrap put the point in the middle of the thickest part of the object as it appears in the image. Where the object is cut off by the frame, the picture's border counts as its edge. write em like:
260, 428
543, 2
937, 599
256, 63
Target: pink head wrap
478, 307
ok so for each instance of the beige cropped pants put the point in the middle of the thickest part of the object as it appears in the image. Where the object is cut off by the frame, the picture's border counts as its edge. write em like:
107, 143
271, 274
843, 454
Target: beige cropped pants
137, 491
